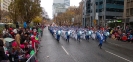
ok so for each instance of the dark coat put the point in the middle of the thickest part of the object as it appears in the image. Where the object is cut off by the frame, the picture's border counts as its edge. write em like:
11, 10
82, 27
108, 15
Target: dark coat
2, 53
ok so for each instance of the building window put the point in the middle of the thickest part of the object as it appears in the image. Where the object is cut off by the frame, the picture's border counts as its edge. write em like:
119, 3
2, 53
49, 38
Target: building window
101, 2
91, 4
127, 12
108, 1
128, 5
100, 10
131, 4
114, 10
91, 11
120, 2
131, 11
96, 10
128, 0
96, 3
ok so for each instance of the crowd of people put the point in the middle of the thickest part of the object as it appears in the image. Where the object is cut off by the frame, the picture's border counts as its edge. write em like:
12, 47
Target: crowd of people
96, 33
19, 44
122, 35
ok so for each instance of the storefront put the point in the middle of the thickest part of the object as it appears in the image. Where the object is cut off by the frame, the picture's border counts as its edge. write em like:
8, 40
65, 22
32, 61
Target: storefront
114, 23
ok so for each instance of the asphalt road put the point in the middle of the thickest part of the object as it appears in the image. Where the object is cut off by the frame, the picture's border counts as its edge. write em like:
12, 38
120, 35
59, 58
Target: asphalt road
84, 51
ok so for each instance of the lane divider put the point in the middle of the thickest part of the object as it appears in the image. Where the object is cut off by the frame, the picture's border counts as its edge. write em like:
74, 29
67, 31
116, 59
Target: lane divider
119, 56
114, 44
69, 54
65, 50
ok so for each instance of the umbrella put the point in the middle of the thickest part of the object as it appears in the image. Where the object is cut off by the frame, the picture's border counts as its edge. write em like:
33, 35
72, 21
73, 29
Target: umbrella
8, 39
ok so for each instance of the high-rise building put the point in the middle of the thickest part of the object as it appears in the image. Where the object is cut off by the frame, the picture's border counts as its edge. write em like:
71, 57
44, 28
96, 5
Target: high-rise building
60, 6
58, 1
100, 12
67, 3
86, 13
4, 4
4, 8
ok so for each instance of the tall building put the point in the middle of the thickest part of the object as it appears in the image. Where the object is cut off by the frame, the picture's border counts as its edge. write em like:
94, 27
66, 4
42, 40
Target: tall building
67, 3
4, 9
100, 12
60, 6
86, 13
58, 1
4, 4
128, 10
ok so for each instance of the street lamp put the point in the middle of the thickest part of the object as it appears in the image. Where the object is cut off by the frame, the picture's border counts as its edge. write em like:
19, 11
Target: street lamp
72, 21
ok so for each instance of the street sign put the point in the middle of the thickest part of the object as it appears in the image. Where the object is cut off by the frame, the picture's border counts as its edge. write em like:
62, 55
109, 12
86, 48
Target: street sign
94, 21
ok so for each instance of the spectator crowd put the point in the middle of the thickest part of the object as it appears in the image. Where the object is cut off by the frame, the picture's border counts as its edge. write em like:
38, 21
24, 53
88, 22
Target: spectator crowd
20, 43
122, 35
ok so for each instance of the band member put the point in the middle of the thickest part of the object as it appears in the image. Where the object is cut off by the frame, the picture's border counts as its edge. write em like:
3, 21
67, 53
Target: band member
78, 35
101, 39
58, 33
67, 35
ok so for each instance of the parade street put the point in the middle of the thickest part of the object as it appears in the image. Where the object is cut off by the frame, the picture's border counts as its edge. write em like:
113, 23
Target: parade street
84, 51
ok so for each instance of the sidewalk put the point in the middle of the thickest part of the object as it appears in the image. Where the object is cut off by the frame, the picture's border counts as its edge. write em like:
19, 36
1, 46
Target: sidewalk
126, 45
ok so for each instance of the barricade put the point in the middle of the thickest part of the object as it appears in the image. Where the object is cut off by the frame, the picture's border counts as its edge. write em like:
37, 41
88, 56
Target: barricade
33, 57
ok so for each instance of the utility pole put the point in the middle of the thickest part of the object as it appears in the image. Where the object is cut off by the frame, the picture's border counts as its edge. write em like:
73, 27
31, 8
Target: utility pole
94, 13
104, 12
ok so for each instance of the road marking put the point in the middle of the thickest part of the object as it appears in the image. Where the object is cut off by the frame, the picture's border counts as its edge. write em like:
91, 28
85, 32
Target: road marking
114, 44
119, 56
68, 54
65, 50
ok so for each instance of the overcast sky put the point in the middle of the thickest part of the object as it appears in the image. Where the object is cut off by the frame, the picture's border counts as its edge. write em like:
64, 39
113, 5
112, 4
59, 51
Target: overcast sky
47, 5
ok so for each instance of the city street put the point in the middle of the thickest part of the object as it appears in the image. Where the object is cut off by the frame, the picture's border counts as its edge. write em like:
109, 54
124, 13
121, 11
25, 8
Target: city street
84, 51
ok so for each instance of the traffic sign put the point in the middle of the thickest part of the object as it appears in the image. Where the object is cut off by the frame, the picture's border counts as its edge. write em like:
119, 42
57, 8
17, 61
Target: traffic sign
94, 21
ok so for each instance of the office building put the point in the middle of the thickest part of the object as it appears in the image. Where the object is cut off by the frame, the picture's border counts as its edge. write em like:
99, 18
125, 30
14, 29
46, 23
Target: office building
4, 4
100, 12
86, 13
60, 6
4, 9
67, 3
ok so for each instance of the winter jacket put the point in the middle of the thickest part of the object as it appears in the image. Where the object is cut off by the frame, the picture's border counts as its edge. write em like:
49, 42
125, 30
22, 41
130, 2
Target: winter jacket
2, 53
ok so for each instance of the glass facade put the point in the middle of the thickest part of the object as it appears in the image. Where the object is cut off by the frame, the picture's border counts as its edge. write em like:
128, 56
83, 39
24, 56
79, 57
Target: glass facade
88, 4
110, 6
106, 9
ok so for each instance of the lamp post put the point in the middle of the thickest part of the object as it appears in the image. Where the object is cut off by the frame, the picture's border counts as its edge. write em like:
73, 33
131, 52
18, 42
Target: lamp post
72, 20
104, 11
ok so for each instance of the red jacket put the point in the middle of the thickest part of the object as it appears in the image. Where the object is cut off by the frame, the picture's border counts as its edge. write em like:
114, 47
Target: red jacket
33, 41
124, 38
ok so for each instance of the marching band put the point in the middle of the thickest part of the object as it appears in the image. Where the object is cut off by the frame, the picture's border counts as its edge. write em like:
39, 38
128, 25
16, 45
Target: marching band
79, 33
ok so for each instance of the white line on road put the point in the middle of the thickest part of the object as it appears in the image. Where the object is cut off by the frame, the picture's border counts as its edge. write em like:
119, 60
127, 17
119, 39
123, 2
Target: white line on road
114, 44
65, 50
118, 56
68, 54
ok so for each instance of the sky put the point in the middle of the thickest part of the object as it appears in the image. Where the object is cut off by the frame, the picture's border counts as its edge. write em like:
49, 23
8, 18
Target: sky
47, 5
